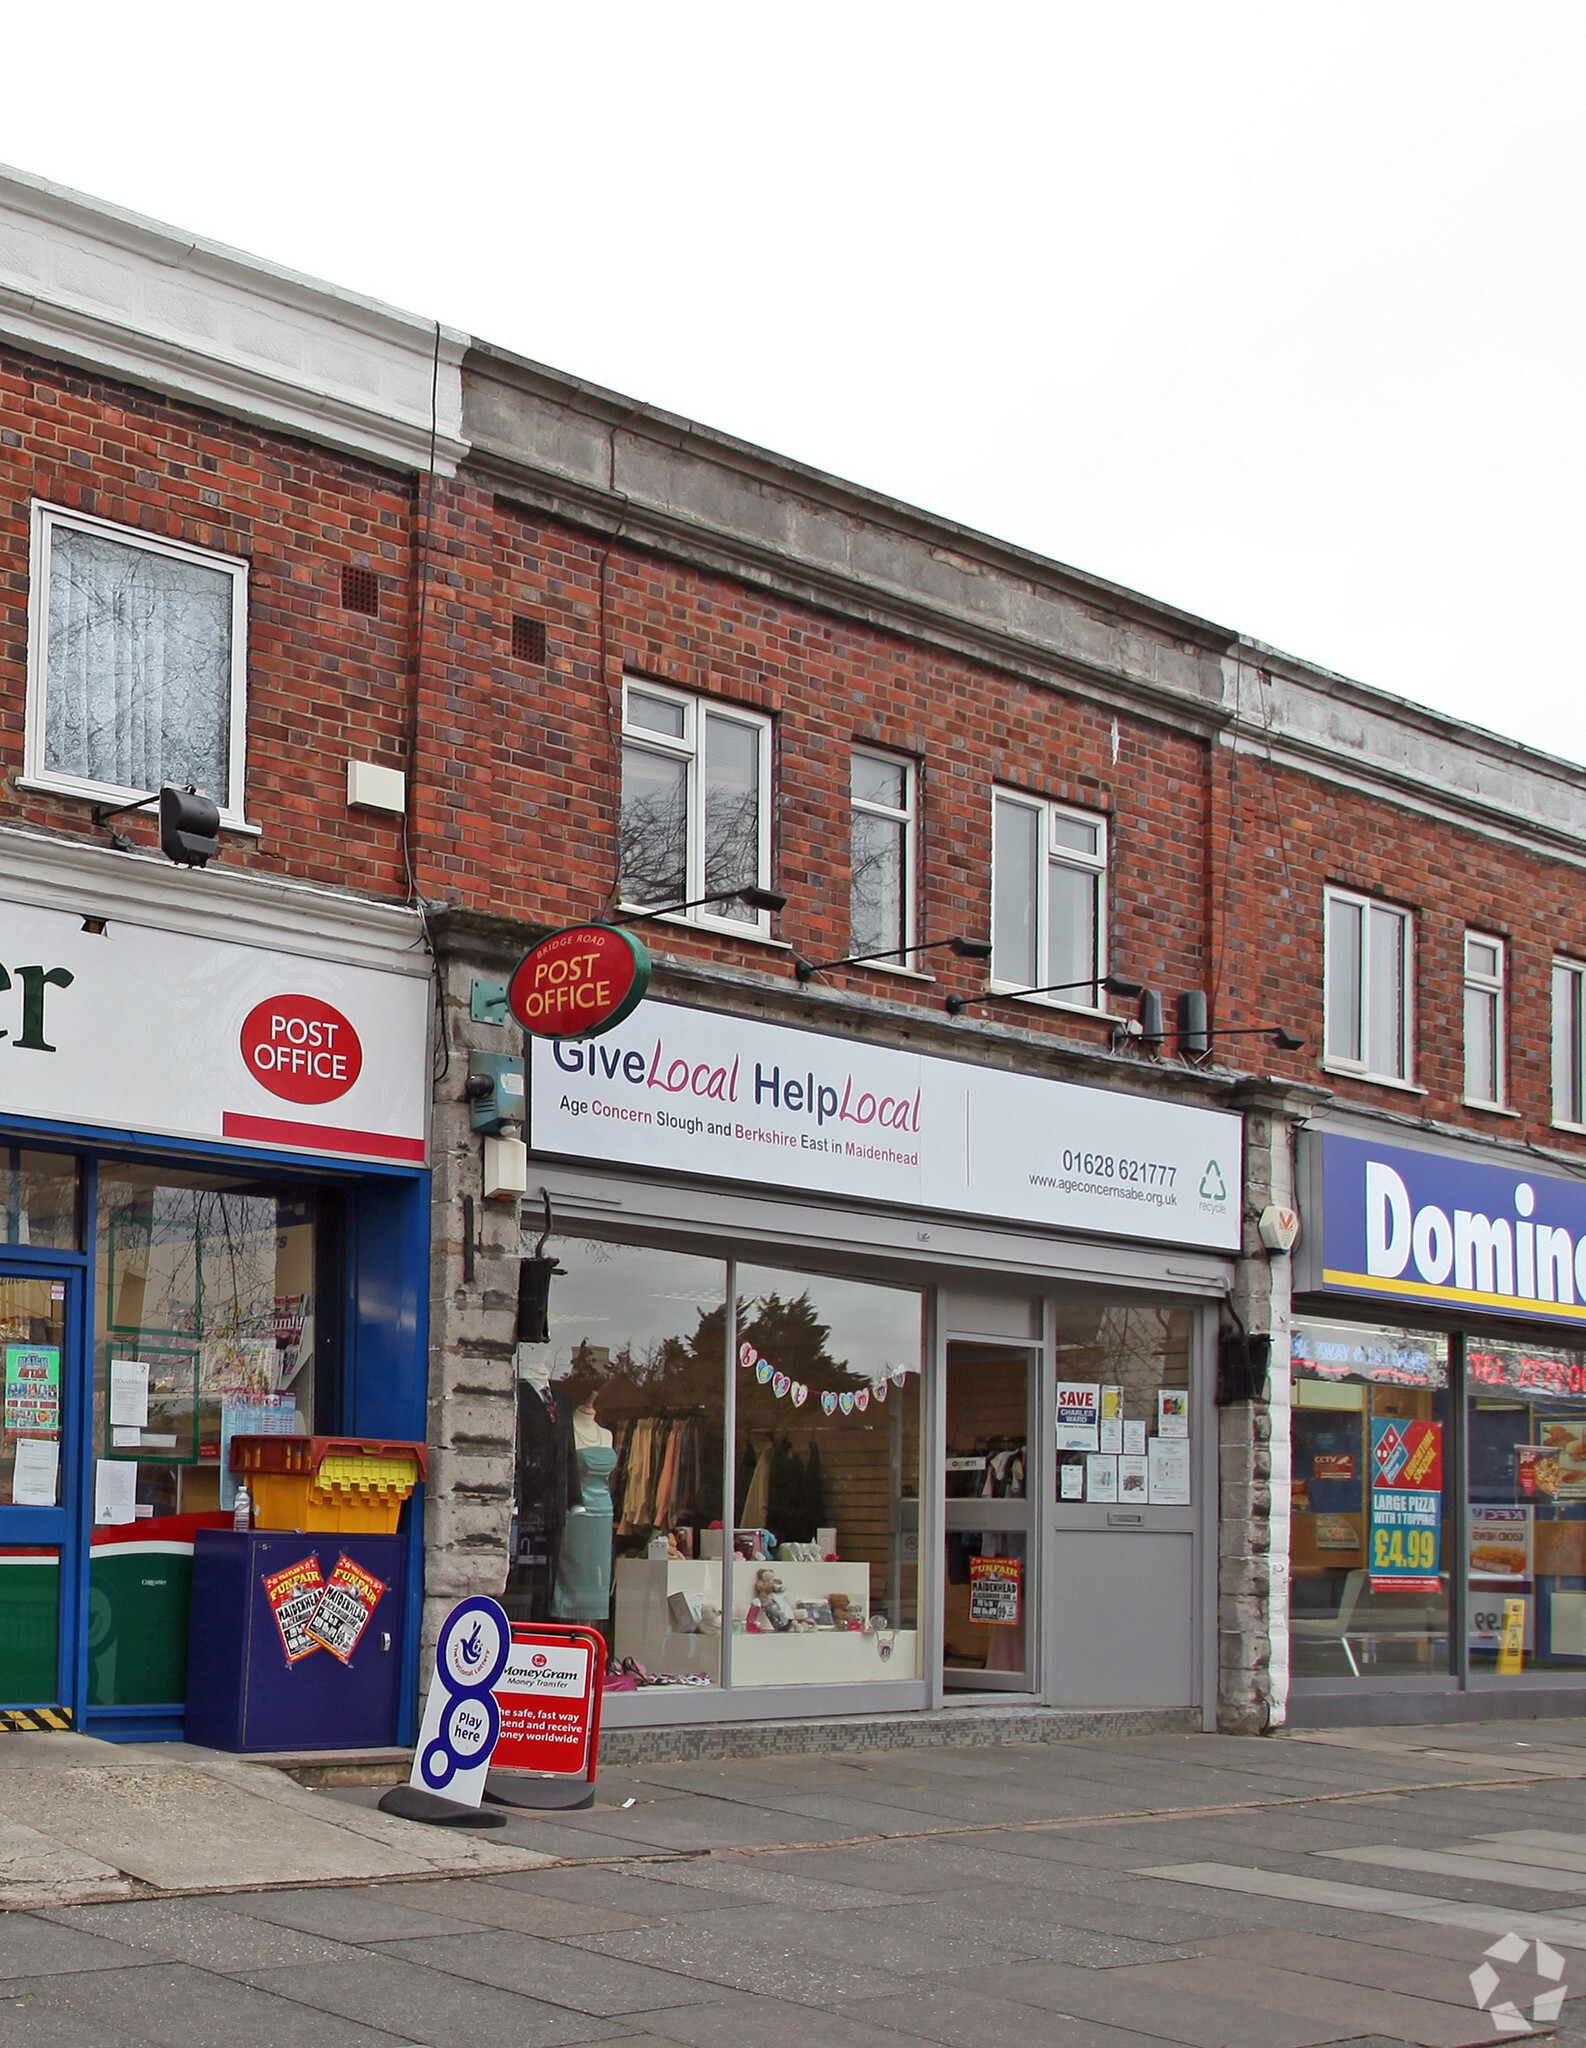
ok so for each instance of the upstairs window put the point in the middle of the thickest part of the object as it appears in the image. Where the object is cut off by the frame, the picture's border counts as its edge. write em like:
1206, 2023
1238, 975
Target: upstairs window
1484, 1034
1048, 899
881, 855
1368, 992
1569, 1043
696, 804
137, 664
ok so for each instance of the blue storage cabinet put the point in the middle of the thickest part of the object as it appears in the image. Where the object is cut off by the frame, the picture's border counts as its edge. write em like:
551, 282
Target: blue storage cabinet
243, 1693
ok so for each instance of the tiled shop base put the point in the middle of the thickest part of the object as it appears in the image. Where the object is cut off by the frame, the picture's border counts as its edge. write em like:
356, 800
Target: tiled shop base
944, 1728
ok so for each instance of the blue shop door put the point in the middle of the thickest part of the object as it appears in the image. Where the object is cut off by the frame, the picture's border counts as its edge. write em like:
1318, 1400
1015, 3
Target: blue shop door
43, 1516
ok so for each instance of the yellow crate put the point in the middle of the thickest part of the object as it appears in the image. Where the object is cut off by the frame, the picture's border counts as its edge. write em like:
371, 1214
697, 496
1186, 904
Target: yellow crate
349, 1495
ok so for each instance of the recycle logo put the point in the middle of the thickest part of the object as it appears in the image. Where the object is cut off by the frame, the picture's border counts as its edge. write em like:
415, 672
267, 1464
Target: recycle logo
1213, 1186
1546, 1980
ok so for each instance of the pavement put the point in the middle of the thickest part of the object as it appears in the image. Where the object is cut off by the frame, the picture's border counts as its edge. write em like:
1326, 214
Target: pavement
1358, 1889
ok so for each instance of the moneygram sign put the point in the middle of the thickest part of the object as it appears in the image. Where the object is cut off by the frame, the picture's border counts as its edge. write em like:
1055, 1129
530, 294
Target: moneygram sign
726, 1098
1410, 1226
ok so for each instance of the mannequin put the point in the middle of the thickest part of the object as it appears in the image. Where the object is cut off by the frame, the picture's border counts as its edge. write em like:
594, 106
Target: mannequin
583, 1568
547, 1485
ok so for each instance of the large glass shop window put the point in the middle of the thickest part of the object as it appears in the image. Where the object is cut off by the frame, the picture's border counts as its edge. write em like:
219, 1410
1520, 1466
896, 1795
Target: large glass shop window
205, 1330
1370, 1551
1527, 1605
630, 1500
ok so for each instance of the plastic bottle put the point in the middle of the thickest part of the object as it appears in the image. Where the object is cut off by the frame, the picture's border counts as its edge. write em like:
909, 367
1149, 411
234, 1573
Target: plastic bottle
242, 1511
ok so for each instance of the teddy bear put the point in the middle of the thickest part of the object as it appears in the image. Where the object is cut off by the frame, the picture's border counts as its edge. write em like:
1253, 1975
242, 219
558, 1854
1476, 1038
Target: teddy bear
776, 1610
846, 1613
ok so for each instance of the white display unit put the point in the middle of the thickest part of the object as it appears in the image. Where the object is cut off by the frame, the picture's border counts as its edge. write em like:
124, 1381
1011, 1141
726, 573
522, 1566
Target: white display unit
645, 1629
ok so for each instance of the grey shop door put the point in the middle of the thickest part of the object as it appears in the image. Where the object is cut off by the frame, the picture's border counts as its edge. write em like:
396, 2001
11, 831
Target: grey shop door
1122, 1616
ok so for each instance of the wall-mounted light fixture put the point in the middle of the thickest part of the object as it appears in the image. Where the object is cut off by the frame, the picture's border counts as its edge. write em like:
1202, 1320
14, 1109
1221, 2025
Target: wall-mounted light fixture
966, 949
754, 897
1114, 984
1195, 1036
189, 825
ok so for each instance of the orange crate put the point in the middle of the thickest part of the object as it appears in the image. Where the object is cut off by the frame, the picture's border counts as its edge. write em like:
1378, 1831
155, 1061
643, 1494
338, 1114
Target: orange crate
336, 1484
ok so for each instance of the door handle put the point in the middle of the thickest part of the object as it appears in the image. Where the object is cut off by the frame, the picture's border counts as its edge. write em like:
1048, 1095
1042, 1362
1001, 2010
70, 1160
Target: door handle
385, 1642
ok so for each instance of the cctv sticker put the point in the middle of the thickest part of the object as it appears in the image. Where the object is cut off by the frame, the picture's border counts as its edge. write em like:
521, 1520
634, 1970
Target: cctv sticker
301, 1049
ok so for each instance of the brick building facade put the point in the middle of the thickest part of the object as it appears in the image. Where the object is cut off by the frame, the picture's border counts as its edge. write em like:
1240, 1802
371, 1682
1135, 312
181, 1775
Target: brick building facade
494, 579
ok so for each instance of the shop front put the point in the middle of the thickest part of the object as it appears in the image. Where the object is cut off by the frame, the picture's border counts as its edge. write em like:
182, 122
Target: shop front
876, 1382
1437, 1436
213, 1207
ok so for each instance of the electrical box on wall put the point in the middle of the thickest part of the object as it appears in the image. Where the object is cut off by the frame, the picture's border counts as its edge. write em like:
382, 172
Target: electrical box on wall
495, 1090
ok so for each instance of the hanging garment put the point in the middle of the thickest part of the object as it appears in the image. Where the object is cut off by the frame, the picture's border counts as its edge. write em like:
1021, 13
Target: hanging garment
583, 1572
787, 1496
752, 1515
547, 1485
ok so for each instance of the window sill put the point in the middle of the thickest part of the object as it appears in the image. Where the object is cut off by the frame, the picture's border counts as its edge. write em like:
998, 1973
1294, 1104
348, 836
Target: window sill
1372, 1080
74, 792
1558, 1124
709, 927
1013, 995
1492, 1108
887, 967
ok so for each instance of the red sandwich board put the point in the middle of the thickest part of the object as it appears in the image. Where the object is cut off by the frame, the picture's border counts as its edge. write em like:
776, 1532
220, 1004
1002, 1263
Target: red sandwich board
549, 1700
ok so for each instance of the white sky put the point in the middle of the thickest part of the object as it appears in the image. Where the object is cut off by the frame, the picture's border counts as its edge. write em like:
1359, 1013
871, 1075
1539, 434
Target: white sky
1273, 312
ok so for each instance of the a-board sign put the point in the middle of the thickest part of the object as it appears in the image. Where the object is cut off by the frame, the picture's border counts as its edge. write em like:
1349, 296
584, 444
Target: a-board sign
549, 1697
520, 1696
579, 982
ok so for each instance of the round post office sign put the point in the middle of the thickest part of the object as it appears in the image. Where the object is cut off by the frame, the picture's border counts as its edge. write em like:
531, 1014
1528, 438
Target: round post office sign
579, 982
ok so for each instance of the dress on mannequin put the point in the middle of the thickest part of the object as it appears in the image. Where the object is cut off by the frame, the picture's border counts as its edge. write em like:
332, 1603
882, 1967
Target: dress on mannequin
583, 1571
548, 1490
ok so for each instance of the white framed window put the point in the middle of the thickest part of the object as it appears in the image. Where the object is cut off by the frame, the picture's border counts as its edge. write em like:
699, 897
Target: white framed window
1048, 899
881, 854
696, 803
1569, 1043
1485, 960
137, 664
1369, 987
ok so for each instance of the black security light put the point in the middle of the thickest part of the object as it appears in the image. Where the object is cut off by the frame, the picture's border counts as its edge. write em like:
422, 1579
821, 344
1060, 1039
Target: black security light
753, 896
1114, 984
1194, 1035
189, 825
966, 949
535, 1275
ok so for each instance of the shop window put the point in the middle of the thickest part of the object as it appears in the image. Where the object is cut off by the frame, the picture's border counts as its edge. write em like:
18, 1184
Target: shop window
1370, 1555
1484, 1020
1048, 899
1123, 1405
826, 1481
39, 1199
1369, 1006
1569, 1043
1527, 1456
207, 1329
32, 1349
881, 854
696, 803
635, 1511
137, 663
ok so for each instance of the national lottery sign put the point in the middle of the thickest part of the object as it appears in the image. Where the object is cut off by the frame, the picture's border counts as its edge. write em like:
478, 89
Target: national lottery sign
724, 1097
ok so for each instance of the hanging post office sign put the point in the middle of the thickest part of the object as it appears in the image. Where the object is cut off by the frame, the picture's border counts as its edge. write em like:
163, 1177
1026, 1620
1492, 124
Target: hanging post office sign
579, 983
730, 1098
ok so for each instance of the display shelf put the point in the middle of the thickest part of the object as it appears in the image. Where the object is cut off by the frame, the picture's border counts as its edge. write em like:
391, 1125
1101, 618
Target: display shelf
644, 1627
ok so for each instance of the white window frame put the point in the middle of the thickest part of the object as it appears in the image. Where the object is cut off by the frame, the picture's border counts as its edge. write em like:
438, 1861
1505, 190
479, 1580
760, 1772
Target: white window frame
1047, 811
691, 749
1576, 970
1343, 1063
1495, 985
35, 774
907, 817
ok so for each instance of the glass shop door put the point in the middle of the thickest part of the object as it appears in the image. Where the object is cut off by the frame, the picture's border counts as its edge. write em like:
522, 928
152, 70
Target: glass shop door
988, 1608
42, 1526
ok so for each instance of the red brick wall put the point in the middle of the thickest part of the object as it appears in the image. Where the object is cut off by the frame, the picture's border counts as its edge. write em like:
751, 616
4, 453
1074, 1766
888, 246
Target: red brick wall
1218, 863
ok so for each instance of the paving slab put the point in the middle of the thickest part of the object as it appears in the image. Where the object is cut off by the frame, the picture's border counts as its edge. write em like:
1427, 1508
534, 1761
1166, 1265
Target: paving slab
589, 1983
958, 2018
170, 2005
482, 1904
755, 1951
422, 2005
345, 1913
203, 1932
1333, 2002
1444, 1978
742, 2020
33, 1946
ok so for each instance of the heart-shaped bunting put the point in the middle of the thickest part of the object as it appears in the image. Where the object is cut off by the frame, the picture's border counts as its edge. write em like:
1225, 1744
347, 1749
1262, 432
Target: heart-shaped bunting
862, 1399
762, 1370
780, 1384
829, 1403
846, 1403
801, 1393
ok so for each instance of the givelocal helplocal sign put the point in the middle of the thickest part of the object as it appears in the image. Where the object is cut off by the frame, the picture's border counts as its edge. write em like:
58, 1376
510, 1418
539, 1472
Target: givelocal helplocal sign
580, 982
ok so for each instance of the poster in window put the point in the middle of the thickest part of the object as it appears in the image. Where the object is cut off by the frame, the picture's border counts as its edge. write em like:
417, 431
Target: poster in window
33, 1390
1101, 1476
1109, 1426
1172, 1411
995, 1584
1406, 1505
1168, 1464
1078, 1415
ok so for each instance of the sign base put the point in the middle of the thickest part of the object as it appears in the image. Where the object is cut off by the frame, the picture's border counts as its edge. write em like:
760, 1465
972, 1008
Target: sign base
550, 1795
412, 1802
